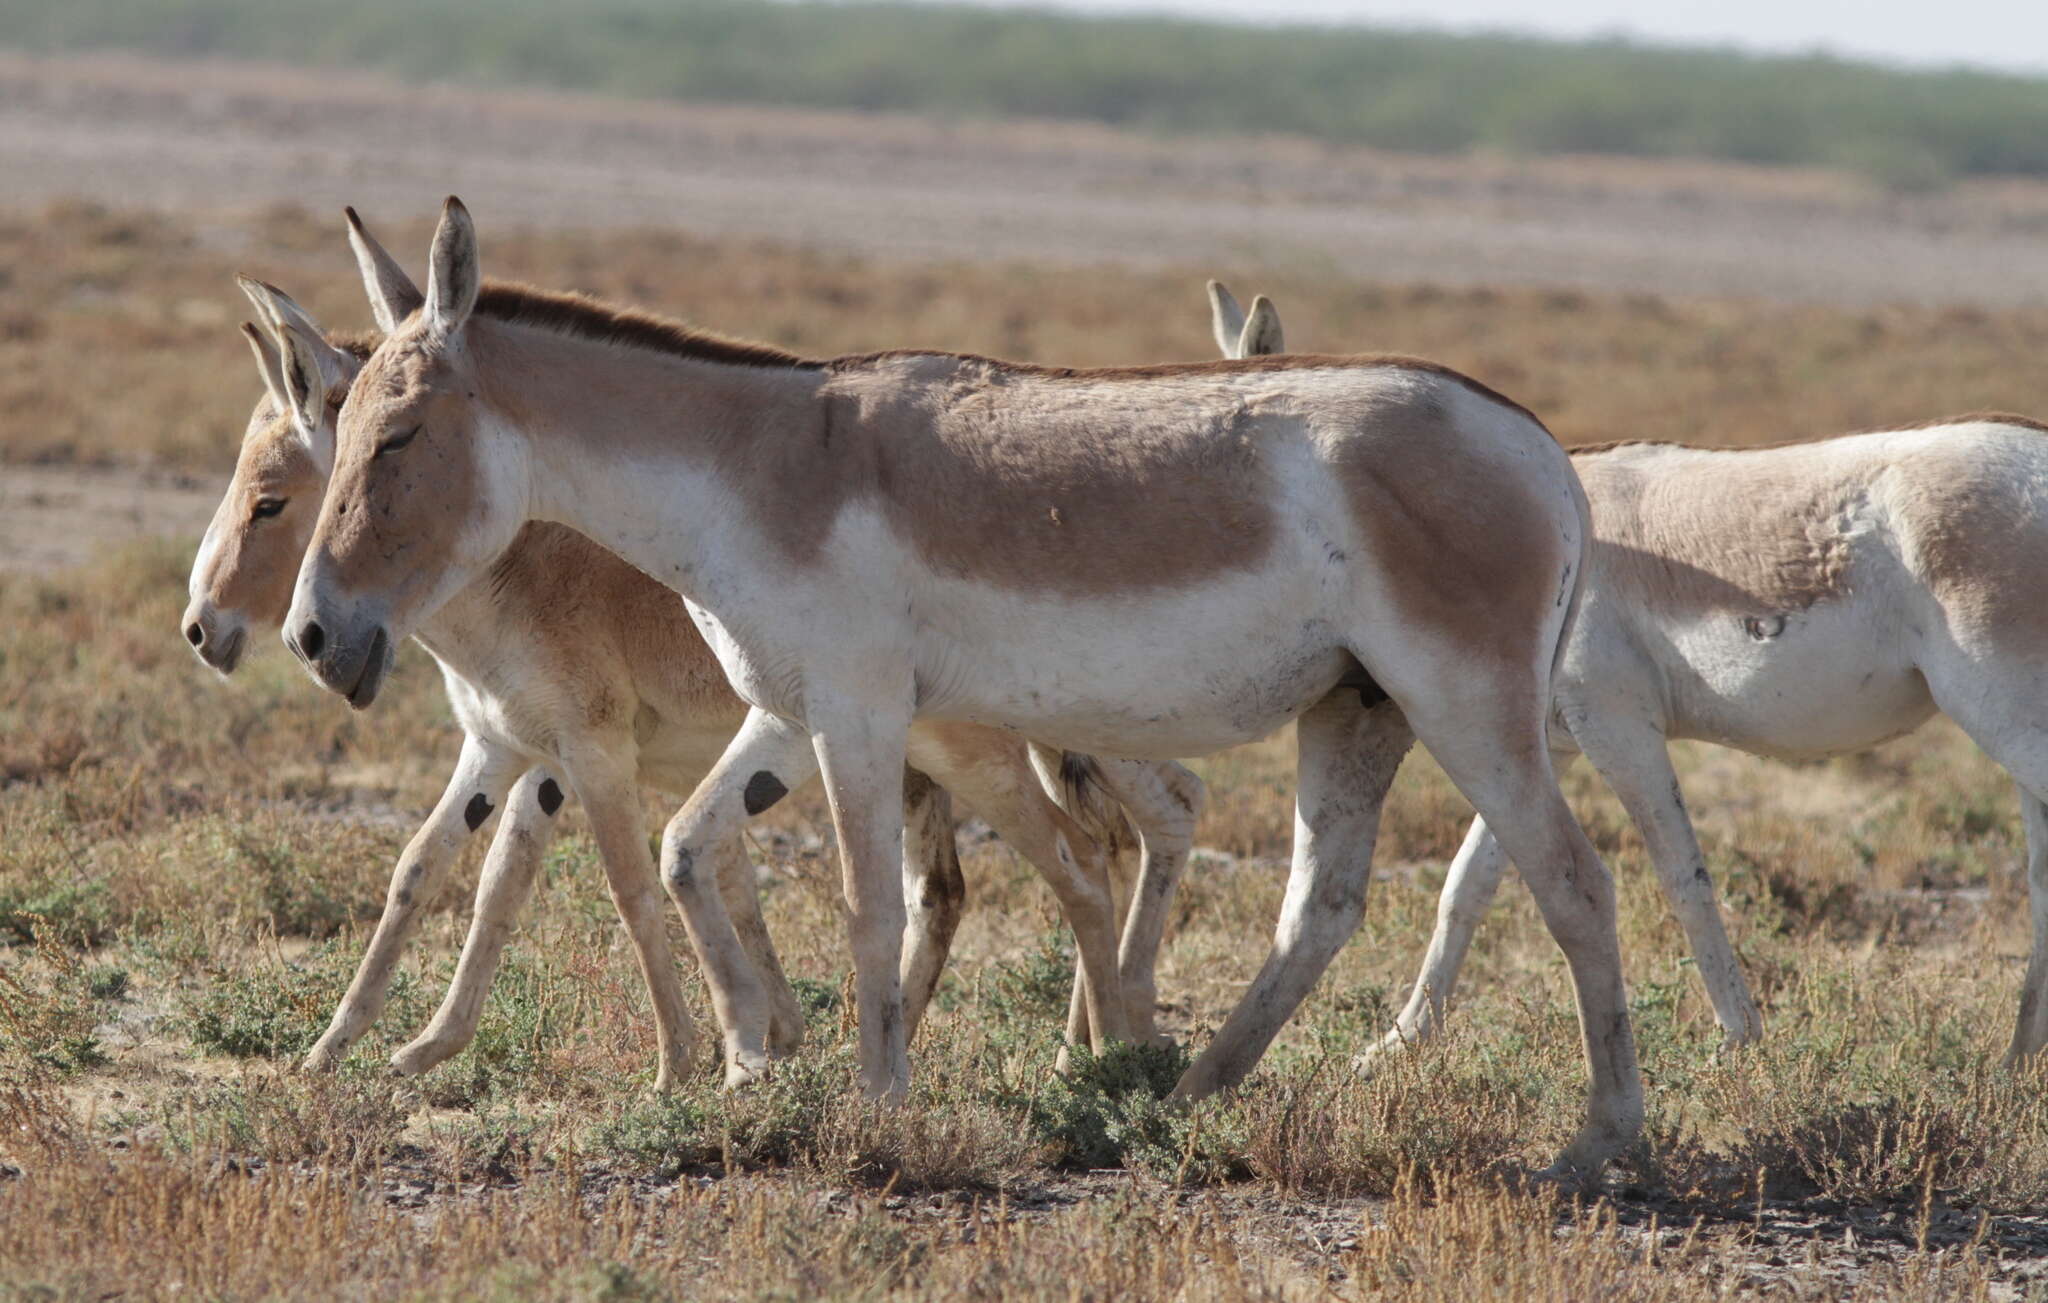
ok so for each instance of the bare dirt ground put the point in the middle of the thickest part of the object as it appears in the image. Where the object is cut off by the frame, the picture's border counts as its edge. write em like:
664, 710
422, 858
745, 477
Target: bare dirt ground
215, 137
53, 517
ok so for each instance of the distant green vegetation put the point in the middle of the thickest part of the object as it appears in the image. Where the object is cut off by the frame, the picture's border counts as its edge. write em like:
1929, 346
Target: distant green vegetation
1394, 89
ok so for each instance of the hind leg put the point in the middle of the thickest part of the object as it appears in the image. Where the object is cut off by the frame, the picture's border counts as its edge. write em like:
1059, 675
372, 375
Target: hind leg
1165, 802
1634, 761
741, 893
1999, 717
1348, 757
1468, 892
991, 772
934, 892
1995, 705
2030, 1037
1491, 743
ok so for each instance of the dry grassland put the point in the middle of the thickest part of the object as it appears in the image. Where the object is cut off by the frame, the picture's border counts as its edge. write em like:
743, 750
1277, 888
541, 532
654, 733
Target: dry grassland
188, 868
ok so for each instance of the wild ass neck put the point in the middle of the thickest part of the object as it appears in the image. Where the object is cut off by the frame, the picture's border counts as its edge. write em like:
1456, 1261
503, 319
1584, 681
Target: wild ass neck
651, 453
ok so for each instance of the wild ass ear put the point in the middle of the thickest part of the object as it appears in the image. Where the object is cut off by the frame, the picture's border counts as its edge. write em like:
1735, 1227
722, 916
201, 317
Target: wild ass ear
268, 364
393, 296
309, 367
452, 278
1226, 319
1261, 334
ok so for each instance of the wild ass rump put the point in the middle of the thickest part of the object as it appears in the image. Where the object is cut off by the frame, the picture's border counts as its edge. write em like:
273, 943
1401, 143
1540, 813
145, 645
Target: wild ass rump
1799, 601
1146, 562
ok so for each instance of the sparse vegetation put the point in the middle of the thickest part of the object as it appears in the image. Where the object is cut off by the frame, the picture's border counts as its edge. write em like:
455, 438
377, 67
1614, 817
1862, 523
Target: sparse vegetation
188, 869
1392, 88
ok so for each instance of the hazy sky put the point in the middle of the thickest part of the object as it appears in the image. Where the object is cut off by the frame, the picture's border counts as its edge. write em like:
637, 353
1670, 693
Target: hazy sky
2011, 34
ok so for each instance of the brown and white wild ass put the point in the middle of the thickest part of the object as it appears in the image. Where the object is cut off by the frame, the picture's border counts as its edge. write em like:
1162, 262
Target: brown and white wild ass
1151, 562
1799, 602
566, 660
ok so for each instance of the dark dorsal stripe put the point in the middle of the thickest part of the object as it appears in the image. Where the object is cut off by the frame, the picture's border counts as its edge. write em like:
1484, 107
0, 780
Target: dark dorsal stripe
584, 317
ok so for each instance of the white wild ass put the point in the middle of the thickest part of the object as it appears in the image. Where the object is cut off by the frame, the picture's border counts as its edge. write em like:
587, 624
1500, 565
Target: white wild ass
1799, 602
566, 660
1153, 562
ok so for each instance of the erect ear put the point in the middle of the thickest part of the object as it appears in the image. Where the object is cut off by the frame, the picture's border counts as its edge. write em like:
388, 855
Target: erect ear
1225, 318
268, 364
393, 296
1261, 334
309, 368
452, 277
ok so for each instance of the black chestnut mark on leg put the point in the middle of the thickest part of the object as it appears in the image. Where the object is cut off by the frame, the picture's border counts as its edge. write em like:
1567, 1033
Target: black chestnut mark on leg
763, 790
478, 810
550, 797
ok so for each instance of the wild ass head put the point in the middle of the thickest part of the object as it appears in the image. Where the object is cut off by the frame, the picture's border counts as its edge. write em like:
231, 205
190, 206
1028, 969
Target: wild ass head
1239, 335
249, 559
426, 490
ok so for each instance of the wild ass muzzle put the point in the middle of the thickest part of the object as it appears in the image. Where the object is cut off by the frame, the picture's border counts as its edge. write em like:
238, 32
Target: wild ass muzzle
1146, 562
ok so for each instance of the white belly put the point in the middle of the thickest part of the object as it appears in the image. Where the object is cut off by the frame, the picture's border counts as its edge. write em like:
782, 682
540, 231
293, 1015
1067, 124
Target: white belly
1162, 674
1835, 678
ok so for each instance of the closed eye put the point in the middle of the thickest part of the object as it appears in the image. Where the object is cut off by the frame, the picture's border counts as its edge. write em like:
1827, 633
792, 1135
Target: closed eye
397, 441
266, 508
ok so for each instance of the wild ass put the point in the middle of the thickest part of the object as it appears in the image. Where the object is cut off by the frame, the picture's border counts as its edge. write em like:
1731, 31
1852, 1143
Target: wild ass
564, 660
1798, 602
1152, 562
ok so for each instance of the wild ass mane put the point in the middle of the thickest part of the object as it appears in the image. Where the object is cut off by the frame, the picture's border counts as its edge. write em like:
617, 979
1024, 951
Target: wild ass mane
584, 317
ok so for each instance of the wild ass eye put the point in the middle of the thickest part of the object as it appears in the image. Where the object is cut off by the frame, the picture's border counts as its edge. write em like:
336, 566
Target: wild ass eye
265, 508
397, 441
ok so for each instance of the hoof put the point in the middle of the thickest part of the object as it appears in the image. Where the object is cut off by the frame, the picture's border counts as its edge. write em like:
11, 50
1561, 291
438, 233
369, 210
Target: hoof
323, 1058
1376, 1056
785, 1039
424, 1053
740, 1073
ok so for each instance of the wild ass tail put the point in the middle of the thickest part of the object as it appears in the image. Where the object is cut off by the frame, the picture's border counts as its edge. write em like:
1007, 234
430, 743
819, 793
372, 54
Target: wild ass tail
1074, 782
1571, 610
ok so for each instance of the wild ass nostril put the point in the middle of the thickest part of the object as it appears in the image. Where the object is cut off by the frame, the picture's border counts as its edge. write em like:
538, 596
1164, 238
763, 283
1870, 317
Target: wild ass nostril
311, 640
194, 634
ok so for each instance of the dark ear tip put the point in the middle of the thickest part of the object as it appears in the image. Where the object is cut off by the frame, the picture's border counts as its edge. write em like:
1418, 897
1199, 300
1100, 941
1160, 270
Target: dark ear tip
249, 329
355, 223
455, 205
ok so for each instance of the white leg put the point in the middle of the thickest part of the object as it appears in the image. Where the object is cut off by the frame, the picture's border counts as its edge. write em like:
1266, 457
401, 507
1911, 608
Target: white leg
741, 892
1468, 891
2030, 1036
767, 758
1348, 757
475, 791
1165, 802
1637, 765
1992, 699
606, 781
861, 755
1491, 744
528, 826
